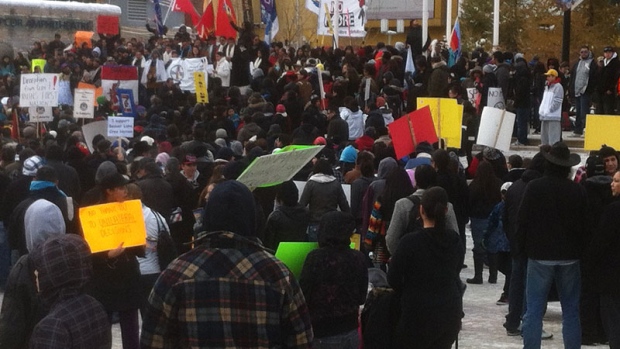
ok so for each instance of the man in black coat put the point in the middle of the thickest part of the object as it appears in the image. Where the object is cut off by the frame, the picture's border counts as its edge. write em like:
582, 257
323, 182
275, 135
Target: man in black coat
607, 84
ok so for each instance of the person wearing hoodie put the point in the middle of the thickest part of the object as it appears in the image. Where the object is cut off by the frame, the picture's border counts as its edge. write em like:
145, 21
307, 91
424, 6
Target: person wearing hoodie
522, 100
75, 319
424, 270
322, 194
375, 189
354, 117
21, 309
289, 220
550, 110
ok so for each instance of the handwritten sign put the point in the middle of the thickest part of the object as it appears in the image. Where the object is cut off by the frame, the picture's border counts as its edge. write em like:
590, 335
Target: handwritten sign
602, 129
473, 95
84, 103
201, 87
38, 89
41, 114
495, 129
107, 25
107, 226
120, 126
496, 98
262, 171
448, 118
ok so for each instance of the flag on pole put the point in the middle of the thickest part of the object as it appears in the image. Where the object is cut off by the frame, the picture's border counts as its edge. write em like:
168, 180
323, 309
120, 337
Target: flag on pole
409, 69
270, 18
160, 22
455, 43
223, 16
313, 6
206, 24
185, 6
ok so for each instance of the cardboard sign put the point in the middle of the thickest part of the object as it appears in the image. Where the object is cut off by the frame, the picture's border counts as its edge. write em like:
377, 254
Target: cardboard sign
448, 118
496, 98
107, 226
37, 62
472, 95
41, 114
495, 129
82, 37
98, 90
90, 130
293, 254
120, 126
84, 103
126, 102
107, 25
411, 129
602, 129
202, 96
38, 89
273, 169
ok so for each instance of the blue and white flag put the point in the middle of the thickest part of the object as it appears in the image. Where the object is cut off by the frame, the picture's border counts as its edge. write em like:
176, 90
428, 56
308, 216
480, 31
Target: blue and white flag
269, 16
409, 69
160, 22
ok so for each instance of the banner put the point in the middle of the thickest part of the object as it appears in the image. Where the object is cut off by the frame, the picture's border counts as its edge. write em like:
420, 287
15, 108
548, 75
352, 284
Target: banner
38, 63
411, 129
84, 103
107, 25
182, 70
495, 129
41, 114
398, 9
202, 96
602, 129
351, 18
448, 118
38, 90
126, 103
115, 77
120, 126
106, 226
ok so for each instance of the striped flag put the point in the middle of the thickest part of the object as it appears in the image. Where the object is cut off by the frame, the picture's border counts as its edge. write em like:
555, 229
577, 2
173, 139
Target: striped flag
455, 44
270, 18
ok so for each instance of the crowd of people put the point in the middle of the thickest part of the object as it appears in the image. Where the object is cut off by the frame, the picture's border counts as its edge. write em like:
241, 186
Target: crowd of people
529, 219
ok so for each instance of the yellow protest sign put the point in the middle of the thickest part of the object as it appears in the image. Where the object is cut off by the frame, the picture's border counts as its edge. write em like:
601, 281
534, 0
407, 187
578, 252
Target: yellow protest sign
201, 87
38, 63
356, 240
448, 118
602, 129
106, 226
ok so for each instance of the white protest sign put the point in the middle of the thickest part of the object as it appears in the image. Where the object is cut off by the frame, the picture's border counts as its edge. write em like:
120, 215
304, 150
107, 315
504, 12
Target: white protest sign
90, 130
496, 98
276, 168
367, 90
496, 127
120, 126
345, 187
38, 89
84, 103
40, 114
472, 95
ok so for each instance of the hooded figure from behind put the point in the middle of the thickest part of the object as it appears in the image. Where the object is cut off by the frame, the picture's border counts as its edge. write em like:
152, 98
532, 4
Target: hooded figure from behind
75, 320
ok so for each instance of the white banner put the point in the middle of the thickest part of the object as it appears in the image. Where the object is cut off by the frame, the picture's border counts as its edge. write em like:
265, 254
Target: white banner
38, 89
84, 103
351, 18
120, 126
182, 70
41, 114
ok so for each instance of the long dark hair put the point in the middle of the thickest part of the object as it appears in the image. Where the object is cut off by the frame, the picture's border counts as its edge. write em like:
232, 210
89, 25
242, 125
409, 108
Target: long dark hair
435, 203
397, 186
486, 181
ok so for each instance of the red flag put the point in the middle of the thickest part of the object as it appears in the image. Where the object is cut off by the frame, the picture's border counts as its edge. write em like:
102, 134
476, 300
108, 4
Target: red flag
186, 6
14, 125
206, 25
225, 14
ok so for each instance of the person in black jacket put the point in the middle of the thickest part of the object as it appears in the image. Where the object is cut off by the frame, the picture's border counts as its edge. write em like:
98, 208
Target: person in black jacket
607, 84
522, 99
289, 221
337, 129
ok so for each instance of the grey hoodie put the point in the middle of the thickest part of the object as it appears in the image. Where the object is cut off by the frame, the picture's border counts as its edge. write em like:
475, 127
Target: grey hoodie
42, 220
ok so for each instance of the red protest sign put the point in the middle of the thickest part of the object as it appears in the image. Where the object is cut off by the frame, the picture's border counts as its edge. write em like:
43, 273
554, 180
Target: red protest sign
107, 25
412, 129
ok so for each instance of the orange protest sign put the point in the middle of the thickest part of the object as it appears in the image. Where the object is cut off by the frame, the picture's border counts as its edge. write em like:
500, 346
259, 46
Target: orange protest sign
106, 226
83, 37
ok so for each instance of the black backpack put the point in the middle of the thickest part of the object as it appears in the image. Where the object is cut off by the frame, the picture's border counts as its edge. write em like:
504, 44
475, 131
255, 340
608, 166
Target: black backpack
166, 251
415, 221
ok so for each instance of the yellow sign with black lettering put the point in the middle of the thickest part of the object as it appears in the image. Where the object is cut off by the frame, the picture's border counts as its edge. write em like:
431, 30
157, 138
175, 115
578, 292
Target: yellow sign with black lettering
202, 96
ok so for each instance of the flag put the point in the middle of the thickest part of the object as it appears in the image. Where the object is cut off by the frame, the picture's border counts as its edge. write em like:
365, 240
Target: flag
206, 24
186, 7
269, 16
313, 6
455, 43
409, 69
14, 125
160, 22
224, 15
115, 77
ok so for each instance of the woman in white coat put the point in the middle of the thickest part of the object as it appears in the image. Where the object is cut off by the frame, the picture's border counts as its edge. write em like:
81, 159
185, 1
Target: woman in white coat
222, 69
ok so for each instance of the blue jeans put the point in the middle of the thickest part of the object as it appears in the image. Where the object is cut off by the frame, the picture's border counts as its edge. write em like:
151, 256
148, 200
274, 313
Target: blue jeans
567, 278
347, 340
313, 232
582, 107
523, 127
516, 294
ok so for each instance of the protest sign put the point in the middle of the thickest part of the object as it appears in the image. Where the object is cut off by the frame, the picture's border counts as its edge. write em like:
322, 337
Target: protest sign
293, 254
38, 90
472, 96
273, 169
602, 129
126, 105
349, 14
90, 130
496, 98
107, 25
84, 103
411, 129
120, 126
98, 90
38, 63
495, 129
181, 70
202, 96
83, 37
448, 117
106, 226
40, 114
115, 77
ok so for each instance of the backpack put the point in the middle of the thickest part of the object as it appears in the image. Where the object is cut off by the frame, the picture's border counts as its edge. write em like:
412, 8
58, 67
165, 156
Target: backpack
166, 251
415, 221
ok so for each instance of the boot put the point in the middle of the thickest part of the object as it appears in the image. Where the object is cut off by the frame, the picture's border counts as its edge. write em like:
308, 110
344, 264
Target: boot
492, 268
478, 265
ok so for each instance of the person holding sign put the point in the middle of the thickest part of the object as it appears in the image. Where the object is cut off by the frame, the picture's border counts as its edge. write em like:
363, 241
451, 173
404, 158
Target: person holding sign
116, 273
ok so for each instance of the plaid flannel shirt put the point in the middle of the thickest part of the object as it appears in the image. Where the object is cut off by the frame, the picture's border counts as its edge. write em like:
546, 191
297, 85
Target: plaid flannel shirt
228, 292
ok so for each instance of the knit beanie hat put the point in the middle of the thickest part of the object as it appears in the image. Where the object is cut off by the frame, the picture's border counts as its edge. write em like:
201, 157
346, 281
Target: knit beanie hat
230, 208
